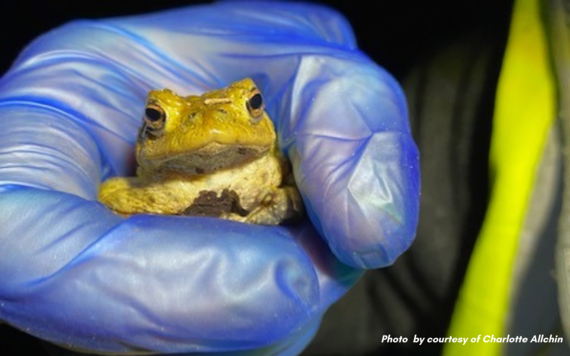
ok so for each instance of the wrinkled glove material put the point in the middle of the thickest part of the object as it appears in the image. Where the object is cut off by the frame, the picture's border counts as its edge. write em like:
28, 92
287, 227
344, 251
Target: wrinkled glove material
75, 274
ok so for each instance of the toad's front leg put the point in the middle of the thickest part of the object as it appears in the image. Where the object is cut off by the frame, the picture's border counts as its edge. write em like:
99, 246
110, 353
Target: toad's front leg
130, 195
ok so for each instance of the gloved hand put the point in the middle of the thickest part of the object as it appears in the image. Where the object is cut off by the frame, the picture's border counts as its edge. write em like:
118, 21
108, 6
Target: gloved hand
73, 273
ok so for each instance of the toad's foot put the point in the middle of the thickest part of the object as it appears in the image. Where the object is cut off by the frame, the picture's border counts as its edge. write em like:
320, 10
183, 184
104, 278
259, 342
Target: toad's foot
275, 206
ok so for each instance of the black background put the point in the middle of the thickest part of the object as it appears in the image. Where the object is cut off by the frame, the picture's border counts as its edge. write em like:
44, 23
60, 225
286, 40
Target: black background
396, 34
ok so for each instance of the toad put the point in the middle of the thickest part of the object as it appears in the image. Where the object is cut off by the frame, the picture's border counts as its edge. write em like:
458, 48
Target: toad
210, 155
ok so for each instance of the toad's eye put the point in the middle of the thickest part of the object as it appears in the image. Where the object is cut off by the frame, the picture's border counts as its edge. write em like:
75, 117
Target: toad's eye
255, 105
154, 114
154, 118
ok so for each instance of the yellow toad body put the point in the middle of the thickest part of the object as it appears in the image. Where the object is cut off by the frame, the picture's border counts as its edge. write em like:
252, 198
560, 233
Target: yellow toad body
209, 155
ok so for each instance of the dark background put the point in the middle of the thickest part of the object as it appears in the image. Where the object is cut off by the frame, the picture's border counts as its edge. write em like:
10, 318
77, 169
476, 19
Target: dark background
395, 36
398, 36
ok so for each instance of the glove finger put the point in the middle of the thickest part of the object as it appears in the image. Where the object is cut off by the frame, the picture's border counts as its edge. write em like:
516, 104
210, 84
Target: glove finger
293, 345
357, 165
148, 283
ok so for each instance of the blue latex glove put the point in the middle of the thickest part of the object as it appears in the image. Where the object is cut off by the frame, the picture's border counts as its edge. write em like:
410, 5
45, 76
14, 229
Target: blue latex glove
73, 273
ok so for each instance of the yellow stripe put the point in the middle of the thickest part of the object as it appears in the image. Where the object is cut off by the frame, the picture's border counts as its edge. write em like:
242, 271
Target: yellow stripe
524, 112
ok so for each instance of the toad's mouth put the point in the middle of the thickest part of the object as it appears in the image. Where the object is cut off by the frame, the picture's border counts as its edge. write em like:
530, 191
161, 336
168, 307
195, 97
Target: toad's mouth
210, 158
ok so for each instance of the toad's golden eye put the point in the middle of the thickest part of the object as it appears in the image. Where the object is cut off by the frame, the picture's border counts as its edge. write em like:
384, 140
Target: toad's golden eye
154, 118
255, 105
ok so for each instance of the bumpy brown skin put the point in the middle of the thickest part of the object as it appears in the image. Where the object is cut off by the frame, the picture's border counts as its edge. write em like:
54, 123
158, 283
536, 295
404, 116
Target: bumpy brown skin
210, 155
